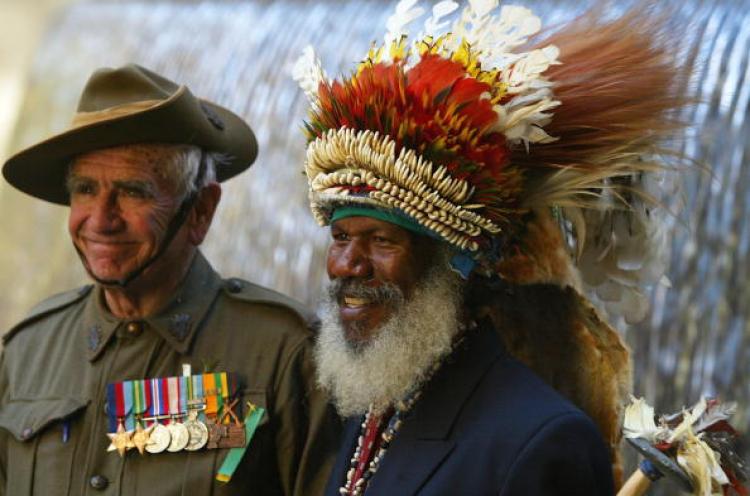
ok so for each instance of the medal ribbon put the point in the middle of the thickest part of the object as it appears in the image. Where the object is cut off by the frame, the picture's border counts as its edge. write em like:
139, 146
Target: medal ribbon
173, 394
112, 406
127, 401
147, 392
221, 393
153, 400
209, 383
139, 399
189, 388
158, 398
197, 393
120, 404
184, 383
164, 396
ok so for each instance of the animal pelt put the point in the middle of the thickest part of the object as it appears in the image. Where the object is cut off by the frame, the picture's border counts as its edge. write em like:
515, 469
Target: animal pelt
560, 336
540, 256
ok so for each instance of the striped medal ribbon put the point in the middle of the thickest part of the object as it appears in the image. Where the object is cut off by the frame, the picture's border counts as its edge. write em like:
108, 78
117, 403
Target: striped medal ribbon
119, 405
141, 398
160, 437
197, 395
177, 407
222, 395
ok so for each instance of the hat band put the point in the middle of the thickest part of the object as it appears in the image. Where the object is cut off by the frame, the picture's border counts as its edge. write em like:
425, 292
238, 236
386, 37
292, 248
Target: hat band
386, 216
85, 118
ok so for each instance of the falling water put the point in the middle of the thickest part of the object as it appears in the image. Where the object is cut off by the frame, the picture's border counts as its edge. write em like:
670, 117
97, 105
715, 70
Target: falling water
240, 55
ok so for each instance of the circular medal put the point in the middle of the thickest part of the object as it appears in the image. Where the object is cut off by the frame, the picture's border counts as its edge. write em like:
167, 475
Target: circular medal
198, 434
180, 437
159, 439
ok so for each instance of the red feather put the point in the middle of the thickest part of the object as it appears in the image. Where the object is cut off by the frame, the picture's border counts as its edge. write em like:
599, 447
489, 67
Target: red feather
432, 76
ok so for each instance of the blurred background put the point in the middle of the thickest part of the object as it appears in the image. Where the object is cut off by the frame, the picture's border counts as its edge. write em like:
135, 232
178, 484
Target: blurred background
694, 341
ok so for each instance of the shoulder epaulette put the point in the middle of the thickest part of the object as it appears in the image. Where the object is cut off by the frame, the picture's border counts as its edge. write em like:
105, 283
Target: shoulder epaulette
45, 307
247, 291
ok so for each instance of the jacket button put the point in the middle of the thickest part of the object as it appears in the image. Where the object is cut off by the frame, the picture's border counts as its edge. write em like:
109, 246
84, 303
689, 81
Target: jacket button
134, 328
27, 433
99, 482
234, 285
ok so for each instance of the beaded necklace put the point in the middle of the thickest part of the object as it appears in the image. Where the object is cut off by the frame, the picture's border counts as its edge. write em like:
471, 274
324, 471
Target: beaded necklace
357, 487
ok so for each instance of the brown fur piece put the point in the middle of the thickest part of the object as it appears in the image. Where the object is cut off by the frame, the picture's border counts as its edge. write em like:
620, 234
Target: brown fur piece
541, 256
619, 88
548, 325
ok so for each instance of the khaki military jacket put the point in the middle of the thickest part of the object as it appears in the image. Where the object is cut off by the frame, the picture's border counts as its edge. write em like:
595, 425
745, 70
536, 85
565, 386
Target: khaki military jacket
56, 365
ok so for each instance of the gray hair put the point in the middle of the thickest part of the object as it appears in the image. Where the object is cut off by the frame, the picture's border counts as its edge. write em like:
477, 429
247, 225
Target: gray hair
181, 168
178, 165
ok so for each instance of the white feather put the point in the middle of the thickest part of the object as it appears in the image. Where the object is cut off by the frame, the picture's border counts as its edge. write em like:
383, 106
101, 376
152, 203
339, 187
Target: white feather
639, 421
308, 73
435, 24
713, 414
627, 246
396, 26
481, 8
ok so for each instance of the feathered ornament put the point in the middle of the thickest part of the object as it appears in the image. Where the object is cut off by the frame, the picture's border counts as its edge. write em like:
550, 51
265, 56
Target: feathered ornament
435, 24
620, 87
699, 439
308, 72
441, 98
571, 125
639, 422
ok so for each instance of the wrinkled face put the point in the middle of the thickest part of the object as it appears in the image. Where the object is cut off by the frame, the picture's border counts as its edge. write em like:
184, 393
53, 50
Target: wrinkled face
120, 207
375, 265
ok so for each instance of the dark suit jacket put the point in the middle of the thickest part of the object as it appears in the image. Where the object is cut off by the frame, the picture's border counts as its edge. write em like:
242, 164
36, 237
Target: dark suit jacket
486, 424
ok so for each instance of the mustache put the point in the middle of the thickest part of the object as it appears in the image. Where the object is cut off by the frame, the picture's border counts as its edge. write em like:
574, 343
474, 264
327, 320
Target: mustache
357, 288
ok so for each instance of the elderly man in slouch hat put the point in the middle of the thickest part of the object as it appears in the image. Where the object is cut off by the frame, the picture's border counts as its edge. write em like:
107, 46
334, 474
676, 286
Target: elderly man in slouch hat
454, 336
162, 377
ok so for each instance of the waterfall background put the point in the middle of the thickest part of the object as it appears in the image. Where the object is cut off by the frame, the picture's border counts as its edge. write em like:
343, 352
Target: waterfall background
240, 53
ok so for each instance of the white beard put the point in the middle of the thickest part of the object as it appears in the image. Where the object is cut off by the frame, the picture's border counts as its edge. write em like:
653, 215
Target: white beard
400, 355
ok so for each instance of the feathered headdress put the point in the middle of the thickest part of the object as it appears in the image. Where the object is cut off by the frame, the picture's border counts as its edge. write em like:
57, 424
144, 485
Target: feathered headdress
474, 131
526, 153
428, 127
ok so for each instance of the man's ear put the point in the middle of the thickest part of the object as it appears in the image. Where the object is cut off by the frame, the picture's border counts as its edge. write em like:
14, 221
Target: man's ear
202, 213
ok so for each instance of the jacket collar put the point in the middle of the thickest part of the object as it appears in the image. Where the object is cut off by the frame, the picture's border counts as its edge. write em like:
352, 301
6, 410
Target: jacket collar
444, 396
177, 323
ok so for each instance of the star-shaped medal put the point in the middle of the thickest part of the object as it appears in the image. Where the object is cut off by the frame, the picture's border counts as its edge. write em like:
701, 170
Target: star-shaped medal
120, 440
141, 437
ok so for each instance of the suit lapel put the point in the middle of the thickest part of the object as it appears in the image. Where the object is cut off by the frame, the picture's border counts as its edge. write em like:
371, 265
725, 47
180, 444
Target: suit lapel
425, 439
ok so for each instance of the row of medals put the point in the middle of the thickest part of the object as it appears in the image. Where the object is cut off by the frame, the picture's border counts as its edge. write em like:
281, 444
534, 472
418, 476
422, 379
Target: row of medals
190, 435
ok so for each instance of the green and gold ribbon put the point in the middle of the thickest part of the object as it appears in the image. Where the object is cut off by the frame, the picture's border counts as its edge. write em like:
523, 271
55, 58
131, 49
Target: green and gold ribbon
234, 457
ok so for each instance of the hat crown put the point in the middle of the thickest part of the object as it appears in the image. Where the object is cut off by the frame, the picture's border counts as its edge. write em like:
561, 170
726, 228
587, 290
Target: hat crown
132, 105
108, 88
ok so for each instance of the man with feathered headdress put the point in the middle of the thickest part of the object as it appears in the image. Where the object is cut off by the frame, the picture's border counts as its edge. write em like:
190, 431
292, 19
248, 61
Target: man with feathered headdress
457, 171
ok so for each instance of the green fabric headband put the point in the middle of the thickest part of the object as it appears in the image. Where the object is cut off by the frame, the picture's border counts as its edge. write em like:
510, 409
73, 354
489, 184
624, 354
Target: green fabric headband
384, 215
462, 262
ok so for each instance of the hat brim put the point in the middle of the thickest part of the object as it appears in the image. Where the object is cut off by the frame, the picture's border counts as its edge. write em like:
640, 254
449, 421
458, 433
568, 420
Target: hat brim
40, 170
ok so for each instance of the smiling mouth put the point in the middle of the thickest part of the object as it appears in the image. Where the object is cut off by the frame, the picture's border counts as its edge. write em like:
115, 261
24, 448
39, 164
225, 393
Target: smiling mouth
354, 302
107, 241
